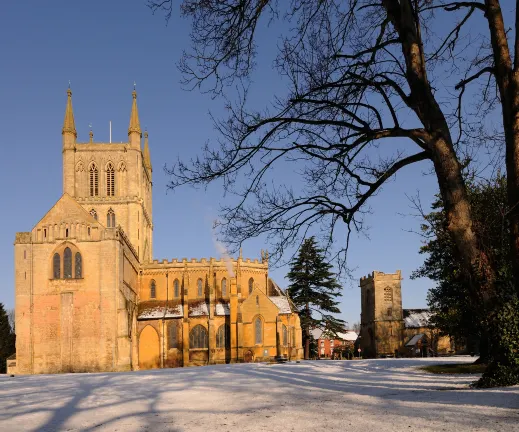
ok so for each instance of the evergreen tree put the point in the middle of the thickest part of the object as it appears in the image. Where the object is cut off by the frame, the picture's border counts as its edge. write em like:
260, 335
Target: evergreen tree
453, 311
313, 289
7, 339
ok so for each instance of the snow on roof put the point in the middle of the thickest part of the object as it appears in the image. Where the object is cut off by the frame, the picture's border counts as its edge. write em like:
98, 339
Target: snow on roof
316, 333
416, 318
414, 340
282, 303
198, 309
157, 312
349, 335
222, 309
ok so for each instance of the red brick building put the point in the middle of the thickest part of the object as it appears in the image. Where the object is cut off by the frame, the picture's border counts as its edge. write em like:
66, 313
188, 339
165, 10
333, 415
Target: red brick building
327, 344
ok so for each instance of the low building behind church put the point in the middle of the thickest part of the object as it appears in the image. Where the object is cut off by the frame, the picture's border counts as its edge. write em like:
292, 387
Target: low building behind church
90, 297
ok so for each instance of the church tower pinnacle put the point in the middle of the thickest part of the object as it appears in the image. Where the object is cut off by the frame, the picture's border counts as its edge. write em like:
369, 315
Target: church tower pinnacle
69, 126
134, 130
69, 135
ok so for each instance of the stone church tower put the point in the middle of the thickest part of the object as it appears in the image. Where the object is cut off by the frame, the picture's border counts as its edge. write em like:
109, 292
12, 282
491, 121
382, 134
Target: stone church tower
90, 171
382, 321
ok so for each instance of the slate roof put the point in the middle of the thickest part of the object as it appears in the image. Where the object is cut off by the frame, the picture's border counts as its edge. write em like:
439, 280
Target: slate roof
348, 335
222, 309
155, 310
282, 303
414, 340
198, 309
415, 318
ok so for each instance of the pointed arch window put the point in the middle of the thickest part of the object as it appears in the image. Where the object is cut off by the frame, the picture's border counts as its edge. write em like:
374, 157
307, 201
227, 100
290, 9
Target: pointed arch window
153, 289
223, 336
285, 335
56, 266
176, 288
94, 214
198, 337
258, 331
93, 180
224, 287
78, 266
110, 180
251, 285
110, 219
172, 335
200, 287
67, 263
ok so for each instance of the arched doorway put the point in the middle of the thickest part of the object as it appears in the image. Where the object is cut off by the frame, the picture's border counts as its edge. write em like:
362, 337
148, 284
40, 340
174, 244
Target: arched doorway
248, 357
149, 352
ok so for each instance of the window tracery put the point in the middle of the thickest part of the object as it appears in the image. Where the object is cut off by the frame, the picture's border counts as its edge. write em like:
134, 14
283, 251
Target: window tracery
110, 219
110, 180
153, 289
198, 337
93, 180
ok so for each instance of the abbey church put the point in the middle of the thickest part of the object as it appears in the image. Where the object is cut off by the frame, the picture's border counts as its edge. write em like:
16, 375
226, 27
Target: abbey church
90, 297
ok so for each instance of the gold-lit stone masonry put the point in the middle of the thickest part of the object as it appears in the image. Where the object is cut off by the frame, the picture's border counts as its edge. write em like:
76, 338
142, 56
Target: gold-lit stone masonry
90, 297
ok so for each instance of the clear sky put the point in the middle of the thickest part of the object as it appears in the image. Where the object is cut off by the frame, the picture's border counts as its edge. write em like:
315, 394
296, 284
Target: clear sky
102, 47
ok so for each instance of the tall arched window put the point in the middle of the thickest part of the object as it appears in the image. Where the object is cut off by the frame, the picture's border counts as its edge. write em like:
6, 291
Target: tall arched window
153, 289
78, 270
224, 287
200, 286
251, 285
93, 180
258, 331
56, 265
285, 335
172, 335
198, 337
110, 180
176, 288
94, 214
223, 336
67, 263
110, 219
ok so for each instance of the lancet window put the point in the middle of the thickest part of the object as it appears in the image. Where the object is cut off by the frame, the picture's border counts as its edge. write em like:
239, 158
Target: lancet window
94, 180
110, 180
110, 219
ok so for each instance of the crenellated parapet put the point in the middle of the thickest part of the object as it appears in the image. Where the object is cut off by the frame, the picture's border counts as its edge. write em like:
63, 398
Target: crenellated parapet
203, 262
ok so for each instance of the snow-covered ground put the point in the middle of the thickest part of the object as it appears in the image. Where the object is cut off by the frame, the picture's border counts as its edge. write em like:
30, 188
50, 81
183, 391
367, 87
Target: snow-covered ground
361, 395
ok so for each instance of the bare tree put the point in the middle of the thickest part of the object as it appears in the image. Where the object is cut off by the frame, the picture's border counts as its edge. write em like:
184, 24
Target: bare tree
10, 317
373, 87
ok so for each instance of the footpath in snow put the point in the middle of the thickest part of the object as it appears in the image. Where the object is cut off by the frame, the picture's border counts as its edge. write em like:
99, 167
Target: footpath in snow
360, 395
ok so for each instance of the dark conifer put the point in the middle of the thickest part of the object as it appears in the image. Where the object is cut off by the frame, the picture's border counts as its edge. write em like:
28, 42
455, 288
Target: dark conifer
7, 341
313, 289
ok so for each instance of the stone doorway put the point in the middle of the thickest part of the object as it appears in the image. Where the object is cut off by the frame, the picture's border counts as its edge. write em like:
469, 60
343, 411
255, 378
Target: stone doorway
248, 357
149, 351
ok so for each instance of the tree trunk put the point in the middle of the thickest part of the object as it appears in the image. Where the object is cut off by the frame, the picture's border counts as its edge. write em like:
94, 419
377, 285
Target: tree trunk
511, 128
460, 223
307, 332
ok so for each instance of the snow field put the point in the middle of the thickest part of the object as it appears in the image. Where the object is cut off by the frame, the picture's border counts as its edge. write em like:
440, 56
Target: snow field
360, 395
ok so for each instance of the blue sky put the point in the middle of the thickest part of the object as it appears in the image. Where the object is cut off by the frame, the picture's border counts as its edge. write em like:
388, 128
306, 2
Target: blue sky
102, 48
